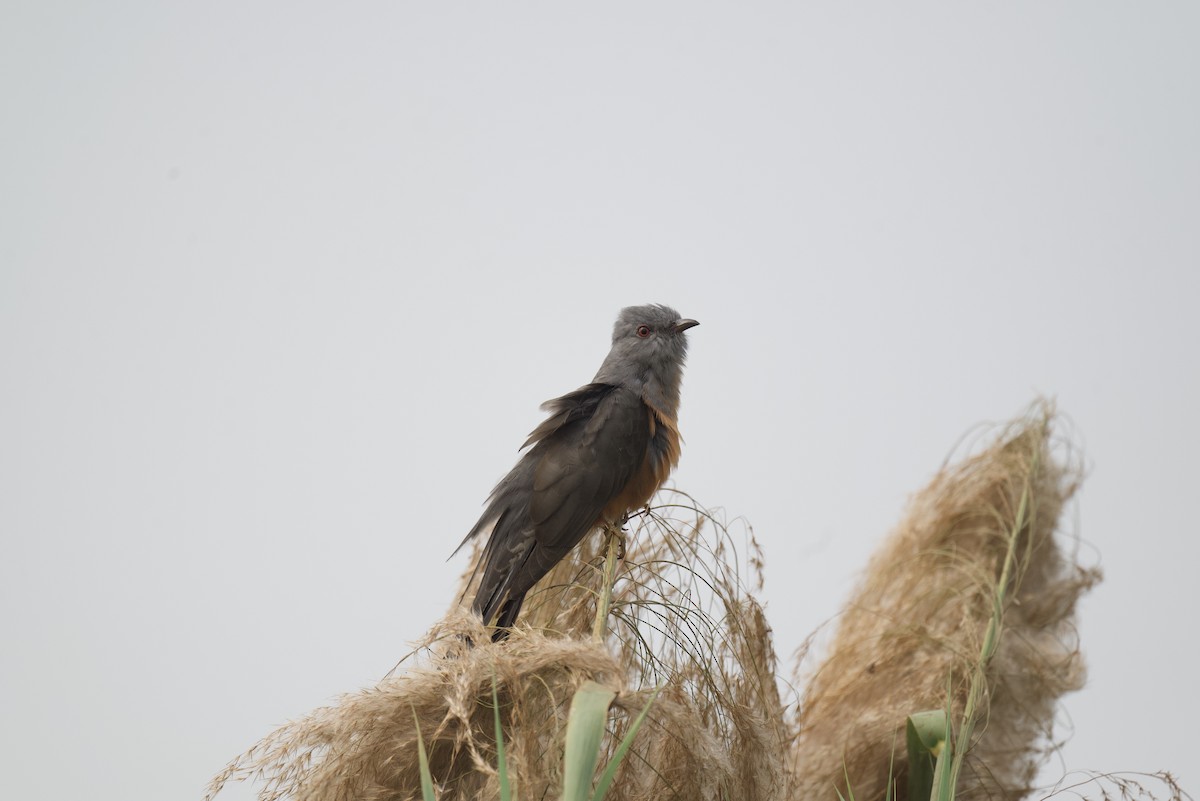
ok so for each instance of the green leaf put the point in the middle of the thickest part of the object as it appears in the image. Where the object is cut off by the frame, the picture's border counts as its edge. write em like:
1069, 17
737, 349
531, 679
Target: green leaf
501, 761
943, 774
849, 787
585, 728
610, 772
889, 793
423, 759
925, 733
930, 730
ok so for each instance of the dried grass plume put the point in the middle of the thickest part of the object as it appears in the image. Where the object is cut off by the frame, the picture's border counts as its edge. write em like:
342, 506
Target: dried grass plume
911, 637
976, 552
683, 618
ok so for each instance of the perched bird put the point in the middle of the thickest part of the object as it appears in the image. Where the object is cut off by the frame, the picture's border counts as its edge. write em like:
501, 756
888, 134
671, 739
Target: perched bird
605, 450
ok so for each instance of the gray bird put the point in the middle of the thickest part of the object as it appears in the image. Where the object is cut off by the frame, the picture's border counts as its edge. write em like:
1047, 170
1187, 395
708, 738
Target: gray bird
605, 450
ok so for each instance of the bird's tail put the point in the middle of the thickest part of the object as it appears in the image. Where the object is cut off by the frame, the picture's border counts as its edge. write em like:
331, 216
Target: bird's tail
508, 616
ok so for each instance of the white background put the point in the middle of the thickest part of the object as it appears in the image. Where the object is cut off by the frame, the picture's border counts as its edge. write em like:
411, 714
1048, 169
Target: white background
283, 284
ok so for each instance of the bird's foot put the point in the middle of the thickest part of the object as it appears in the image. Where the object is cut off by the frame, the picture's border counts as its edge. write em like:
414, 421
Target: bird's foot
617, 531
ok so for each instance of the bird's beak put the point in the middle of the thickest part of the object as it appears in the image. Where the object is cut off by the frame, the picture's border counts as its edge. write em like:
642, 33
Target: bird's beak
683, 325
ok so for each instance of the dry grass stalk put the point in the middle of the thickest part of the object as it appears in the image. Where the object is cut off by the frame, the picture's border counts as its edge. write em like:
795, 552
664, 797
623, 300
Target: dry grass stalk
682, 616
1123, 786
914, 628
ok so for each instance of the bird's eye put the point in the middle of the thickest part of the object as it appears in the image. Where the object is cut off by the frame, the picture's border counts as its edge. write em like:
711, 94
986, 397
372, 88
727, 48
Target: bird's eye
643, 331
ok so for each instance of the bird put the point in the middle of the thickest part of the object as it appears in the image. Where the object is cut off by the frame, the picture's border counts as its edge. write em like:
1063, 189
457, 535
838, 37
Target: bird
602, 452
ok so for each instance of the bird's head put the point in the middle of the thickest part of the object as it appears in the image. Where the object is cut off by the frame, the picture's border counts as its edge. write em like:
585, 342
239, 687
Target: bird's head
648, 348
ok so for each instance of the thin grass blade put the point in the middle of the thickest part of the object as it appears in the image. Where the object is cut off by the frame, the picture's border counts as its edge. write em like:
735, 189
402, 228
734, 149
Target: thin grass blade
423, 760
943, 774
501, 760
610, 771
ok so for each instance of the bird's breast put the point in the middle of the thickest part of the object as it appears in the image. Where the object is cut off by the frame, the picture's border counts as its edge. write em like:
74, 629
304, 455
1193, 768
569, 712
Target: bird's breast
661, 456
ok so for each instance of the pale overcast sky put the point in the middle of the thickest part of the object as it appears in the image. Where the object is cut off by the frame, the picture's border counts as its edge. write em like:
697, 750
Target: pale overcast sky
283, 284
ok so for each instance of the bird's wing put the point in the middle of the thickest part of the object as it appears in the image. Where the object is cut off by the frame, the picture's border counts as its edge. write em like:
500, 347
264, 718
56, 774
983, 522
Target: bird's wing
584, 464
582, 456
514, 489
570, 408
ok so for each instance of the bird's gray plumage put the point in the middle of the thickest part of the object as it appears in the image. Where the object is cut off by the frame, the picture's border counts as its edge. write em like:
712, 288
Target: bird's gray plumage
604, 449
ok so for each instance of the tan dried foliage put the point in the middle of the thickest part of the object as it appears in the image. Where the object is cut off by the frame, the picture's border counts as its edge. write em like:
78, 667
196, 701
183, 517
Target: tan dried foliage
911, 635
682, 618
